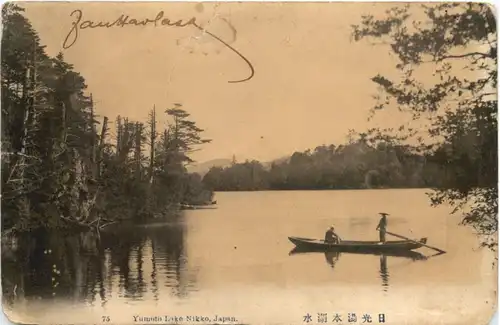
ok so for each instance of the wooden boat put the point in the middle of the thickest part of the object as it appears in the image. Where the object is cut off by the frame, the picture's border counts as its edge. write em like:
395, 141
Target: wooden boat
356, 246
196, 207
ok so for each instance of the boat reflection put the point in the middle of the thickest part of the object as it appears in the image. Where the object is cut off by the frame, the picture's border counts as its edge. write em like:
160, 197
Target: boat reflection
416, 256
332, 258
384, 273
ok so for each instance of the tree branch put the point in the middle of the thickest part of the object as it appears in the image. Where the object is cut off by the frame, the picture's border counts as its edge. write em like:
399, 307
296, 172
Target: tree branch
460, 56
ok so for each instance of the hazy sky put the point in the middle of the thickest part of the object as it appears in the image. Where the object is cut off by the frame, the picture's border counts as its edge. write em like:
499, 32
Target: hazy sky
311, 84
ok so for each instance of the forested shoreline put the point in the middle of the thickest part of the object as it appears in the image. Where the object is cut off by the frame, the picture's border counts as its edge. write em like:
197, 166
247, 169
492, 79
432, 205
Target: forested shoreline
359, 164
61, 168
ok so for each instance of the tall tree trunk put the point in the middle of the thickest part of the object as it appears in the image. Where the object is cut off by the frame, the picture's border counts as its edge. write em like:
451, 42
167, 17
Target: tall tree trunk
152, 144
138, 151
119, 132
93, 140
28, 102
126, 141
100, 149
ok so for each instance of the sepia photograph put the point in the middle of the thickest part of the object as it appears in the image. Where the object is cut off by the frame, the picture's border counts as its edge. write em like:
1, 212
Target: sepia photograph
263, 163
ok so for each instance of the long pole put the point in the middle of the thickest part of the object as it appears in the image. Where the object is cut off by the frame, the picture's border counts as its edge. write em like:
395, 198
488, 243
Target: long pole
403, 237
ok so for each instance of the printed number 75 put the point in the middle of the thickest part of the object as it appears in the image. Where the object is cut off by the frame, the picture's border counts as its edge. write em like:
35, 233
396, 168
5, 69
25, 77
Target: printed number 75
105, 319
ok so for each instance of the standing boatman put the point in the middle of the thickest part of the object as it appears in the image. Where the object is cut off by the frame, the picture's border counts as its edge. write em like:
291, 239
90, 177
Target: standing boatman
382, 226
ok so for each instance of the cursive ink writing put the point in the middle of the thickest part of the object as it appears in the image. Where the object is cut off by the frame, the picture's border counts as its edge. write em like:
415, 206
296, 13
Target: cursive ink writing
159, 21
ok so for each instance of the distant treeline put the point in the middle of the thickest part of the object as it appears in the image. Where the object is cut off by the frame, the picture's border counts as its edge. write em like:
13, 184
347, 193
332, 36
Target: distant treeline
357, 165
60, 166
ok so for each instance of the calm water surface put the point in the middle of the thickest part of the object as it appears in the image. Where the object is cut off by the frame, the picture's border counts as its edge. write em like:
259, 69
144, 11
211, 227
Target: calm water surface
235, 261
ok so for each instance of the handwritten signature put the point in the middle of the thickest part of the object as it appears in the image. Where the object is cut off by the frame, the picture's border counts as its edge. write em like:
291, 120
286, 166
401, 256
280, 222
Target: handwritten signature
124, 20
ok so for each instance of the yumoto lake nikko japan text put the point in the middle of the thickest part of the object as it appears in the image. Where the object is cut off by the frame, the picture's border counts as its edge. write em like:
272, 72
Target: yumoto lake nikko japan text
249, 163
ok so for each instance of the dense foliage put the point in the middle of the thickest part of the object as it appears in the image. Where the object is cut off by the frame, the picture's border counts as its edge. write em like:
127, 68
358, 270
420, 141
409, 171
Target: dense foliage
59, 165
356, 165
447, 66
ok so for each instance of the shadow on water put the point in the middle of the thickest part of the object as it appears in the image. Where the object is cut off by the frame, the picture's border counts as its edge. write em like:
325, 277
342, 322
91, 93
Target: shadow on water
333, 257
82, 267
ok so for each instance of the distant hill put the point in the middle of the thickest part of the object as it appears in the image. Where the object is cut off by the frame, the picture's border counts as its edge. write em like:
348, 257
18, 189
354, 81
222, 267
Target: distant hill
267, 165
204, 167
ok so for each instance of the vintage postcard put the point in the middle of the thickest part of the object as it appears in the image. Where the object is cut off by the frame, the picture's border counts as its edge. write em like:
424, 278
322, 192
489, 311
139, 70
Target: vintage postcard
249, 163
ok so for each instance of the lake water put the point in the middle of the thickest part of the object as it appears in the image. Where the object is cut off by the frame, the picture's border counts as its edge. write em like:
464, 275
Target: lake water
234, 261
